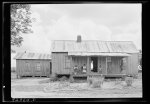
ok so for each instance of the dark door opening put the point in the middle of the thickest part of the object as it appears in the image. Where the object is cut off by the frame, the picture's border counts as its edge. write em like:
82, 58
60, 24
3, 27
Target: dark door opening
94, 62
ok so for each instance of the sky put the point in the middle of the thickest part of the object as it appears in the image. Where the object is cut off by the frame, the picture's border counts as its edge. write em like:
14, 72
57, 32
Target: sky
106, 22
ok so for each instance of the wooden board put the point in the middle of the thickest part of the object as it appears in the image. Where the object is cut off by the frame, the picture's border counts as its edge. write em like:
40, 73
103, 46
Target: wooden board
29, 67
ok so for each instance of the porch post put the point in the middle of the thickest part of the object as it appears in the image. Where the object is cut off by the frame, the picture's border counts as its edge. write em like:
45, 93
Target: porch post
71, 72
106, 65
88, 65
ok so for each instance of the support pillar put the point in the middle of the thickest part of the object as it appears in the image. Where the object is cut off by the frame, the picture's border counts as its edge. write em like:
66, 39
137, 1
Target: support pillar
88, 67
106, 67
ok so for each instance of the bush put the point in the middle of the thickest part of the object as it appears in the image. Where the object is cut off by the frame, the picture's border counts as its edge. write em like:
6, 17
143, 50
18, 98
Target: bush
64, 78
96, 82
129, 81
54, 77
71, 79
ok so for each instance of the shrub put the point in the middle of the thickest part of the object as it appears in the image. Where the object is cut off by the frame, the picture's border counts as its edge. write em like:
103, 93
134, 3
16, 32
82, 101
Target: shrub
71, 79
54, 77
129, 81
64, 78
96, 82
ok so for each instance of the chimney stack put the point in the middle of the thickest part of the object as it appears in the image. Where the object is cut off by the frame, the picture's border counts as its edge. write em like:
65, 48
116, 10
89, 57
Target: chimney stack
79, 38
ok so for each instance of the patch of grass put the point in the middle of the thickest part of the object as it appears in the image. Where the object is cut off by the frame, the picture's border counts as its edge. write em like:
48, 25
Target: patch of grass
44, 81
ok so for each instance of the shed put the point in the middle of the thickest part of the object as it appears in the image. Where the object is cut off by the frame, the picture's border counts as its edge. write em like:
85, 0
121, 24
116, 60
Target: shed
33, 64
110, 58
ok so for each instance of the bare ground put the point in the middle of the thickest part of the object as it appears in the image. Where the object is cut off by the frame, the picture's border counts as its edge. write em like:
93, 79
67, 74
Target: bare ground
33, 88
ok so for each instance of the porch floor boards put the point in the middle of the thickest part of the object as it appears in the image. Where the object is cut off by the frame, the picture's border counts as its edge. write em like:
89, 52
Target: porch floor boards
95, 74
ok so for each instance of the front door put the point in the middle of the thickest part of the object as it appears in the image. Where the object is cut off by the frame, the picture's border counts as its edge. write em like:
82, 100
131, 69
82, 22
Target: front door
94, 64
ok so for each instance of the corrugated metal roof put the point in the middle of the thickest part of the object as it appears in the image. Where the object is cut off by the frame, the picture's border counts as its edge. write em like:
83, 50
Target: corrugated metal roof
96, 54
93, 46
27, 55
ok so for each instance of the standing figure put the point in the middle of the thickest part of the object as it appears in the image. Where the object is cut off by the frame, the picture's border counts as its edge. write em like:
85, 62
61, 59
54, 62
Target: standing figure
75, 69
84, 68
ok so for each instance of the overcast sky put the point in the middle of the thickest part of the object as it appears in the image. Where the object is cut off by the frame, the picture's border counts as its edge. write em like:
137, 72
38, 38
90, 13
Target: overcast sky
112, 22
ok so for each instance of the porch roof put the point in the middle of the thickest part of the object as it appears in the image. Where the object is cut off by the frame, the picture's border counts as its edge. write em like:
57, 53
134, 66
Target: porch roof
96, 54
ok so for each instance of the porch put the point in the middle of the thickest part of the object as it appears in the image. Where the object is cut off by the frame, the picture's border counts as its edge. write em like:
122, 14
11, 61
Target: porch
110, 65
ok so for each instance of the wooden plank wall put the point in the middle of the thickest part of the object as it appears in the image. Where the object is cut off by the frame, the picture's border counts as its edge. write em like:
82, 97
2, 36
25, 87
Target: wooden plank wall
115, 65
61, 63
132, 64
79, 61
102, 62
23, 70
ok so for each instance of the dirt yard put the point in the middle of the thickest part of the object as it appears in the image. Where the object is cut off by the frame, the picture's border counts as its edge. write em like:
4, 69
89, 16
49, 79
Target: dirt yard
41, 88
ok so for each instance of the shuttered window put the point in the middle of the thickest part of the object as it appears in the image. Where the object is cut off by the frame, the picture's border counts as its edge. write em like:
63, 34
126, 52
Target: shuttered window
38, 66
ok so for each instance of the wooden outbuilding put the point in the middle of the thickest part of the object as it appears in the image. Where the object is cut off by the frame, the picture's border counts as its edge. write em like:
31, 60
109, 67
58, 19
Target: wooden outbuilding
33, 64
110, 58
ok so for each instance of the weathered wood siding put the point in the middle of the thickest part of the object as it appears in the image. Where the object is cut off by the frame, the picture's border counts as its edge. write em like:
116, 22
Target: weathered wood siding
102, 62
29, 67
115, 65
132, 61
79, 61
61, 63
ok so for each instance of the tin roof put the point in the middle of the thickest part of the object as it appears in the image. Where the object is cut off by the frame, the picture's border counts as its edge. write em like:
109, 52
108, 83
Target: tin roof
23, 55
94, 46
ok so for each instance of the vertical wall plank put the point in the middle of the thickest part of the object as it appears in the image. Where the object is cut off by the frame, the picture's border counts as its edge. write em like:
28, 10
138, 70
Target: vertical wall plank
88, 65
106, 66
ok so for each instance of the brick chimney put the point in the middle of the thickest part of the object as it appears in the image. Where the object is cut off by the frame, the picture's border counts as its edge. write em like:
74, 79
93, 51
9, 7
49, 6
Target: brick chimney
79, 38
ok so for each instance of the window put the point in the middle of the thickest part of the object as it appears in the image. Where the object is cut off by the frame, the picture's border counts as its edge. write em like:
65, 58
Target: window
38, 66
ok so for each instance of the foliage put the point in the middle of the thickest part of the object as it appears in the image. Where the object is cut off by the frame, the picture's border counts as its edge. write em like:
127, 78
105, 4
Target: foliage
96, 82
20, 22
63, 78
129, 81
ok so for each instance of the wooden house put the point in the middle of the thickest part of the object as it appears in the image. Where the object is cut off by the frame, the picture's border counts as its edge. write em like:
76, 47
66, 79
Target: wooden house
33, 64
115, 57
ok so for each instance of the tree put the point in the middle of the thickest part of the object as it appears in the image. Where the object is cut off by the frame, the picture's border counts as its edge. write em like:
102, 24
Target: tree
20, 22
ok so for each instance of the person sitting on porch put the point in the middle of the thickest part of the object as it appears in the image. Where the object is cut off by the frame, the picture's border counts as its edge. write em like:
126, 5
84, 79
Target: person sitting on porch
84, 68
75, 69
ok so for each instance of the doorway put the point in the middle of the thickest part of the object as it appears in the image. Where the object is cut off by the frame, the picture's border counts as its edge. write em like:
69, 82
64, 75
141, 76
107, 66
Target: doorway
94, 64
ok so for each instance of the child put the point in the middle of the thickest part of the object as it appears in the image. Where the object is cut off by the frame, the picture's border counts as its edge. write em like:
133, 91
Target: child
84, 68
